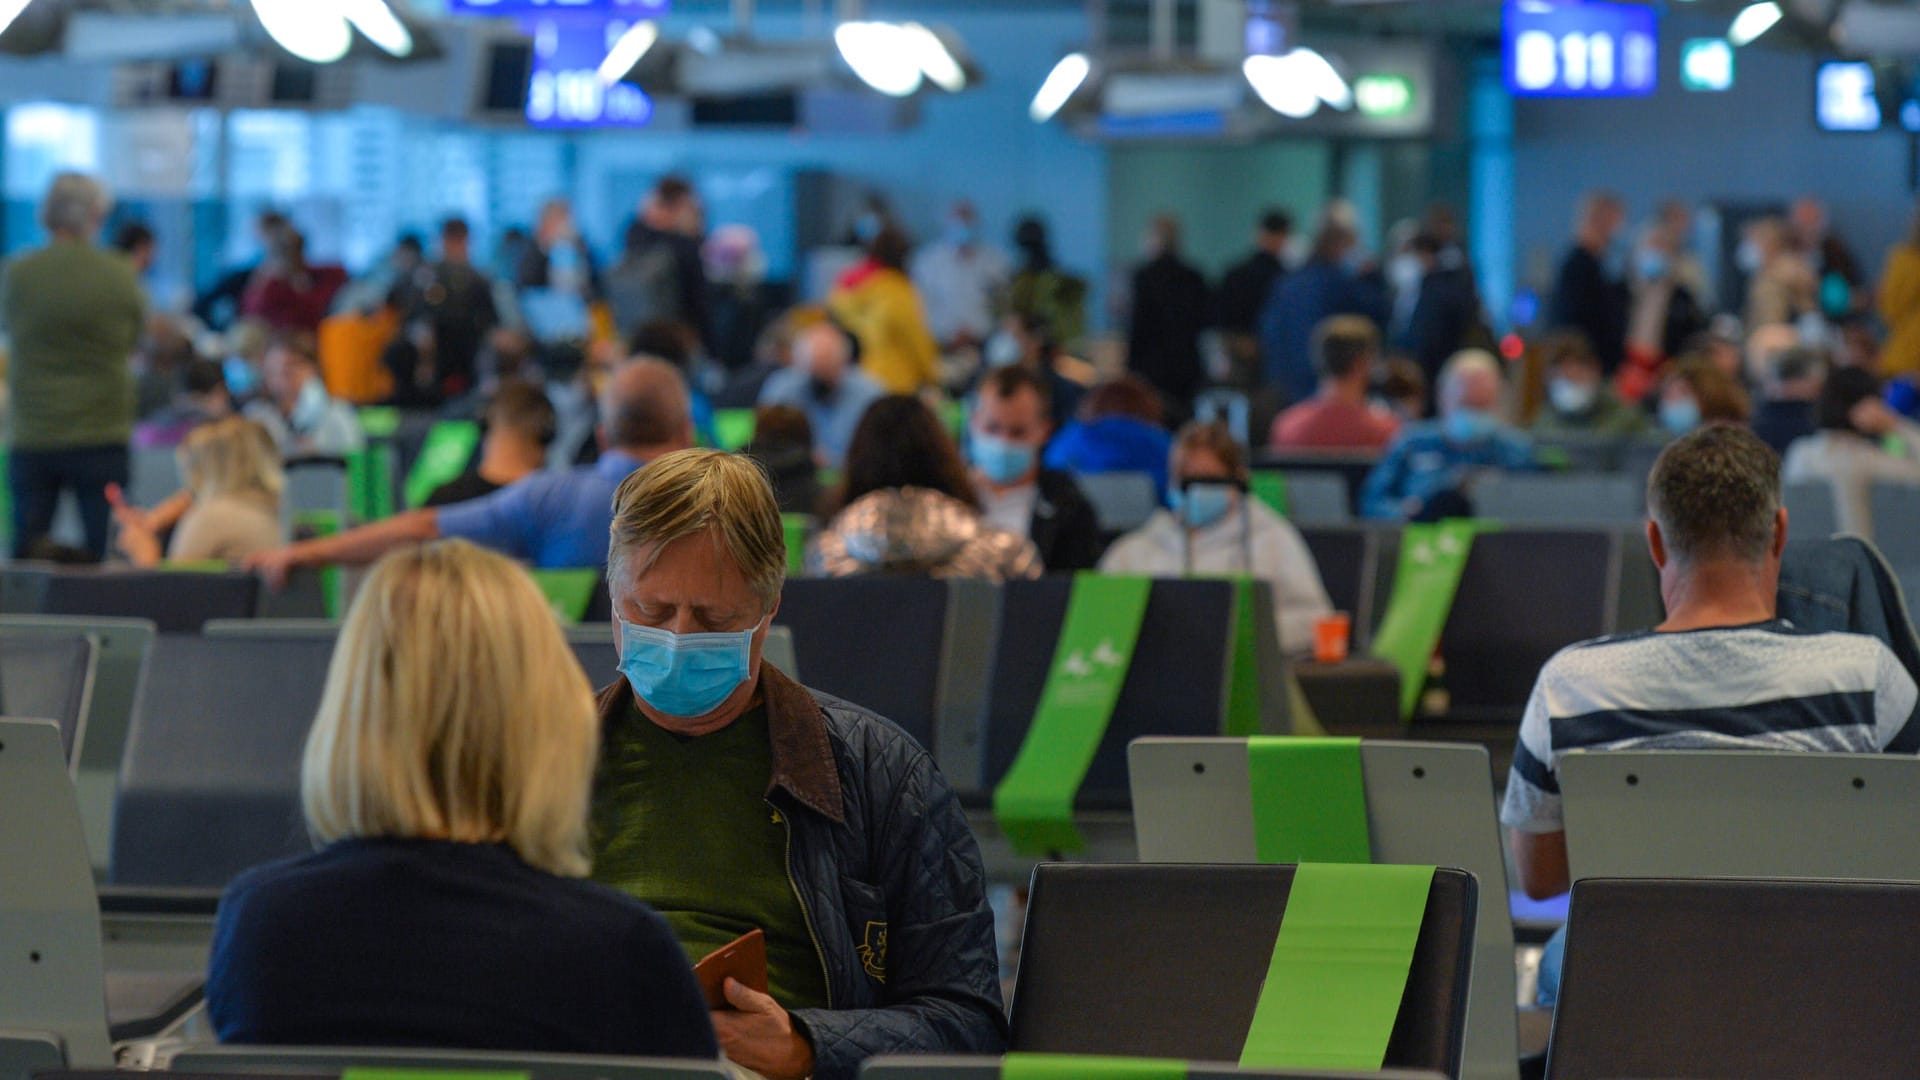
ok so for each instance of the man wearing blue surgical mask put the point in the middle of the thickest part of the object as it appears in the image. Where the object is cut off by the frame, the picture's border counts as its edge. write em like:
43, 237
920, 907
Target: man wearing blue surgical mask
962, 281
1214, 528
1426, 472
1010, 427
826, 383
1579, 400
731, 798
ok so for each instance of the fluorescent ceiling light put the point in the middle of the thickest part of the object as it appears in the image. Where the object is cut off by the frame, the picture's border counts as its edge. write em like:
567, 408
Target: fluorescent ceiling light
1280, 82
936, 61
1061, 82
376, 20
628, 51
1327, 82
1755, 20
313, 30
881, 54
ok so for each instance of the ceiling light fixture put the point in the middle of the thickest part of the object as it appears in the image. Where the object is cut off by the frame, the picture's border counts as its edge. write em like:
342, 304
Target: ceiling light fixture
882, 55
628, 51
376, 19
936, 60
313, 30
1753, 21
1059, 87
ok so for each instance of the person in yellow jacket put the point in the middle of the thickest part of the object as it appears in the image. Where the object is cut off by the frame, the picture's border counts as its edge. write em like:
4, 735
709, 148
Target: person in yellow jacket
1900, 306
877, 302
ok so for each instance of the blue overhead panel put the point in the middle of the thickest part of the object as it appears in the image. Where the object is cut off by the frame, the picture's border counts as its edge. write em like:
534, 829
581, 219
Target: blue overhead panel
627, 9
565, 90
1580, 48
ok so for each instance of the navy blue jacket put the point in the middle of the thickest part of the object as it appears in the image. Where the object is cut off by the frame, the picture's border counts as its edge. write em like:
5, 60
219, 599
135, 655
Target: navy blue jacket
1300, 300
422, 943
889, 878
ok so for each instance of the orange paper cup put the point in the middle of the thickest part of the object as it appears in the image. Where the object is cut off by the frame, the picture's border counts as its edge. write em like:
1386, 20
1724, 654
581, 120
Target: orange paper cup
1330, 637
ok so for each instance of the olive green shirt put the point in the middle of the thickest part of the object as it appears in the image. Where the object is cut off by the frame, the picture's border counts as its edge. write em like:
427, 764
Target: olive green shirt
73, 314
684, 825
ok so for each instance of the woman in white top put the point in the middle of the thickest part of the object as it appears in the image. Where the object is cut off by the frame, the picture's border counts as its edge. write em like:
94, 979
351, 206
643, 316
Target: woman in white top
1214, 528
1849, 451
230, 508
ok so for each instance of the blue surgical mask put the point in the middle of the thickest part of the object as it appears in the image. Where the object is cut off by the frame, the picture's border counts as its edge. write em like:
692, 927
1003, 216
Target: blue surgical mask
1572, 398
1466, 426
1201, 505
311, 406
684, 675
1003, 350
1003, 461
1679, 415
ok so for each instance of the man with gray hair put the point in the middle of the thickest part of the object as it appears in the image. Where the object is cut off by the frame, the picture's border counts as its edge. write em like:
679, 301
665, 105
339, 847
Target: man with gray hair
74, 313
1723, 672
553, 520
732, 799
1425, 473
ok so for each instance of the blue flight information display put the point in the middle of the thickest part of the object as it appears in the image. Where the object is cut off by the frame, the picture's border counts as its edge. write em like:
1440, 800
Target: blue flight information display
627, 9
566, 91
1580, 48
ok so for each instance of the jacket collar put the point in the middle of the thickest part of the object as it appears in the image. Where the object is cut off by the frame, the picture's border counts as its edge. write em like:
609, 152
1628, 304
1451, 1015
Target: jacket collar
803, 761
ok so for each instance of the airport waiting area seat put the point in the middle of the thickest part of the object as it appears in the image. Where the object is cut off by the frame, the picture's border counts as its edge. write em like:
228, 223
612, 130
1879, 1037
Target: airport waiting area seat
1811, 511
876, 642
231, 1062
1122, 501
1764, 979
1426, 804
49, 678
1317, 498
1696, 813
1895, 508
1347, 557
211, 780
1600, 499
1177, 684
175, 602
1175, 957
935, 1067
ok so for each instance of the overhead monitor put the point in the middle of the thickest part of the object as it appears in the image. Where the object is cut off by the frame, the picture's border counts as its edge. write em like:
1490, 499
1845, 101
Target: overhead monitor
1846, 97
565, 90
1580, 48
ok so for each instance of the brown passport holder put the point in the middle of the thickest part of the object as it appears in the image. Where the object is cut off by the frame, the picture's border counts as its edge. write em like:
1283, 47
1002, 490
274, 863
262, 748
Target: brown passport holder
743, 959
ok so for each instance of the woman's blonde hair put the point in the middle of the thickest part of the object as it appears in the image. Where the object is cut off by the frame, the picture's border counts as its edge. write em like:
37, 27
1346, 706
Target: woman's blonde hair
231, 457
454, 710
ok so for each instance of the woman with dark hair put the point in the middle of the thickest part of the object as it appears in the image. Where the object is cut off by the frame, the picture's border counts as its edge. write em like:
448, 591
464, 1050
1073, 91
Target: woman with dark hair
1849, 451
907, 506
878, 304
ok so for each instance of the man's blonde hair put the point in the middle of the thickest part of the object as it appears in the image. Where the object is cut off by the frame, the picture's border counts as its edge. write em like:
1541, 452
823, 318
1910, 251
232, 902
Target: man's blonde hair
694, 491
454, 710
231, 457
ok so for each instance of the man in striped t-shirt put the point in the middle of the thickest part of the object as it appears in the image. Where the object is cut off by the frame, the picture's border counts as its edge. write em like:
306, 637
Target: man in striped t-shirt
1723, 672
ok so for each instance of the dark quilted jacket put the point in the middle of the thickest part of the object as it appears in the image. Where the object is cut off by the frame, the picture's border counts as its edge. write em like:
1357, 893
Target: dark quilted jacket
891, 881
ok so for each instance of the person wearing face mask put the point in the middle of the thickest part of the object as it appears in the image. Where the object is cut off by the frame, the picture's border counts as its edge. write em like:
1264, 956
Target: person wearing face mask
1588, 292
1579, 401
1327, 285
826, 383
878, 303
1169, 312
1861, 442
1010, 427
1214, 527
731, 798
1781, 287
1699, 393
1425, 472
962, 280
298, 412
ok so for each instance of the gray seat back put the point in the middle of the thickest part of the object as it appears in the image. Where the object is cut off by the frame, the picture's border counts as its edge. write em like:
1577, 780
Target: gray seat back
1634, 814
1427, 804
1605, 499
264, 1061
1123, 501
211, 782
49, 678
153, 477
51, 974
1317, 498
1896, 522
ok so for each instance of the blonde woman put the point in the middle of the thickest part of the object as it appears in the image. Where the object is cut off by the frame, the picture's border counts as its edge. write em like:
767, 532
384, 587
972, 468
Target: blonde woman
446, 783
230, 508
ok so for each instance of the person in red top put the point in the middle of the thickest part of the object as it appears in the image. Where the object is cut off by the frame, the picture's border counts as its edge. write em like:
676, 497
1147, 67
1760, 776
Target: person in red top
1338, 417
287, 293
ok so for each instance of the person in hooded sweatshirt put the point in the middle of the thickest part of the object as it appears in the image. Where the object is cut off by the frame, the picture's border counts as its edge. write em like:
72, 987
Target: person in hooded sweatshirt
907, 507
1215, 528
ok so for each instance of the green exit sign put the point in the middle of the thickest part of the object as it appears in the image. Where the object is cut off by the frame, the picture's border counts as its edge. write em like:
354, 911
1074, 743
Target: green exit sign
1383, 95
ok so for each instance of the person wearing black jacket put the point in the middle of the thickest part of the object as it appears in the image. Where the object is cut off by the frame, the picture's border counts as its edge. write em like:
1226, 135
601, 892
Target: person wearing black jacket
1588, 294
1246, 287
1446, 317
1011, 425
1170, 301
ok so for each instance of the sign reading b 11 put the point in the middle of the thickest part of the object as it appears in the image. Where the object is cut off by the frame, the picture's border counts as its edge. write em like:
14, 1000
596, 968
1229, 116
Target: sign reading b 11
632, 9
1580, 48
